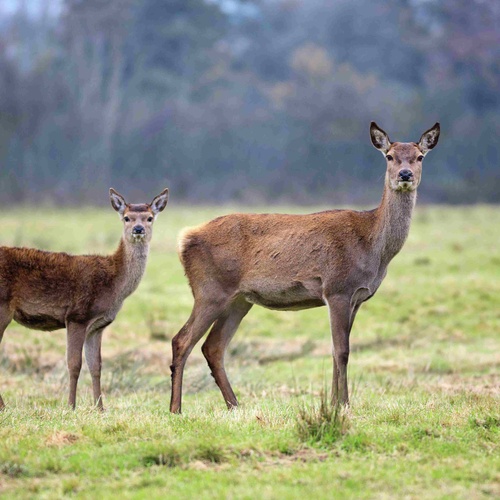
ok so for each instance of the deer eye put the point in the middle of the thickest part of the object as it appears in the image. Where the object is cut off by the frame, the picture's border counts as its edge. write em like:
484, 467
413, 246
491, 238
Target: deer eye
389, 158
126, 219
150, 219
420, 158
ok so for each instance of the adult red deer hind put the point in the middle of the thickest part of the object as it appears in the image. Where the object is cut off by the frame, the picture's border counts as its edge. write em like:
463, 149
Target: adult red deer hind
336, 258
48, 290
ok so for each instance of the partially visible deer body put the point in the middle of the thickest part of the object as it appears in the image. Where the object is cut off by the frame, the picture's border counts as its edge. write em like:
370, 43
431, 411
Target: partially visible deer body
82, 293
336, 258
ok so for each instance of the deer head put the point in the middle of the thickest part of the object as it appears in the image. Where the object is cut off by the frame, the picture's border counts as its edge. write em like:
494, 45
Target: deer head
138, 218
404, 159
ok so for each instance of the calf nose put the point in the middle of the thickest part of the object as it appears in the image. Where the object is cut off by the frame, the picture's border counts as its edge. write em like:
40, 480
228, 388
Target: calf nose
406, 175
138, 230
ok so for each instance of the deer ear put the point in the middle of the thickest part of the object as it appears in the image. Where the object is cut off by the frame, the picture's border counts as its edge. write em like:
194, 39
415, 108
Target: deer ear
429, 139
379, 138
160, 202
117, 201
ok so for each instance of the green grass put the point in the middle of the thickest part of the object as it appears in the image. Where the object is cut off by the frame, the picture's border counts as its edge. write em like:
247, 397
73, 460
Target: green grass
424, 375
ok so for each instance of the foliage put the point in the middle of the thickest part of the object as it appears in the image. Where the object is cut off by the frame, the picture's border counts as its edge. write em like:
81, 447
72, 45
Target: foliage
246, 101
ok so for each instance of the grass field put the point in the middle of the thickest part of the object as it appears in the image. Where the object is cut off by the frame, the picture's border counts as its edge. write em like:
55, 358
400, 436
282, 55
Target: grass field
424, 372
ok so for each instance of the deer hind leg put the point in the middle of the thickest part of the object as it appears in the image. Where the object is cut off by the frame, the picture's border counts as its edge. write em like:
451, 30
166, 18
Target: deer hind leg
93, 358
75, 337
340, 322
204, 313
5, 319
215, 346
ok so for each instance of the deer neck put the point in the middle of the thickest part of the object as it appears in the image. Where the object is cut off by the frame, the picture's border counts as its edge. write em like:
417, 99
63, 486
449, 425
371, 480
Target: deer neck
131, 261
394, 218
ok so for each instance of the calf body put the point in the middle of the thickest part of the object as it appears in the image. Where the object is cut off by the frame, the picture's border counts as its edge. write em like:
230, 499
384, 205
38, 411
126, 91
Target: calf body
83, 293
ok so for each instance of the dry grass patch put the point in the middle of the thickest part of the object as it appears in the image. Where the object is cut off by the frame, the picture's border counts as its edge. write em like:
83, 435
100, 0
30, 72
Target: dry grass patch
61, 438
487, 384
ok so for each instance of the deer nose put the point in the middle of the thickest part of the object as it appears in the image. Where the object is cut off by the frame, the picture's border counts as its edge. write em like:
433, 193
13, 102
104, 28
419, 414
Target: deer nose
138, 229
406, 175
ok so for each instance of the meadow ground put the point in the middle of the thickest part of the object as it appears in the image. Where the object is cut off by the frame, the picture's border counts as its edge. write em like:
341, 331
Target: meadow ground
424, 374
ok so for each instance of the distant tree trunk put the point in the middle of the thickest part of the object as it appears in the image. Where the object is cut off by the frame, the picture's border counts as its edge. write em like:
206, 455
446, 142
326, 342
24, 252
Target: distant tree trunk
96, 31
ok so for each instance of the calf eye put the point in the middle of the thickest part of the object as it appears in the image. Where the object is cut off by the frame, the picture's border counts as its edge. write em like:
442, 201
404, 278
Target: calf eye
150, 219
420, 158
389, 158
126, 219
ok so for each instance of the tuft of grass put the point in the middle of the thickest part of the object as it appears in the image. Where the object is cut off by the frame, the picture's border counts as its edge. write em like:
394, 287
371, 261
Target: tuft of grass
169, 457
324, 423
13, 469
70, 486
181, 456
489, 422
211, 453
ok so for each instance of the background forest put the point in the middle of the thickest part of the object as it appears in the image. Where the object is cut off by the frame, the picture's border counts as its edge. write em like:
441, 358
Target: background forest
244, 101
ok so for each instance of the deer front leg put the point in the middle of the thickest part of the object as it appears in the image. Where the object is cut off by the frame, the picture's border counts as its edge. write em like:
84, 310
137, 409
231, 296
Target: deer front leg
93, 357
335, 380
5, 319
75, 337
340, 322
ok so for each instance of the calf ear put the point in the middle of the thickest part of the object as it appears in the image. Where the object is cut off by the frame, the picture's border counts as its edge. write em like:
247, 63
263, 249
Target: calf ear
160, 202
379, 138
429, 139
117, 201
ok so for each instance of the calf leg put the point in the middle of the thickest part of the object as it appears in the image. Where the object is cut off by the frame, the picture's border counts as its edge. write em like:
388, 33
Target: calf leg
93, 358
218, 339
5, 319
75, 337
203, 315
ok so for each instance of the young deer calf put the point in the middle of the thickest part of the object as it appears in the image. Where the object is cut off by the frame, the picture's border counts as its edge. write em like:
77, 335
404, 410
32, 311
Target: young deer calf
48, 290
336, 258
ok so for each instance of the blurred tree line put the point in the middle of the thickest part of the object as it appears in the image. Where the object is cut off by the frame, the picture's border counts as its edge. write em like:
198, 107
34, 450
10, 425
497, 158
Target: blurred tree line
250, 101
